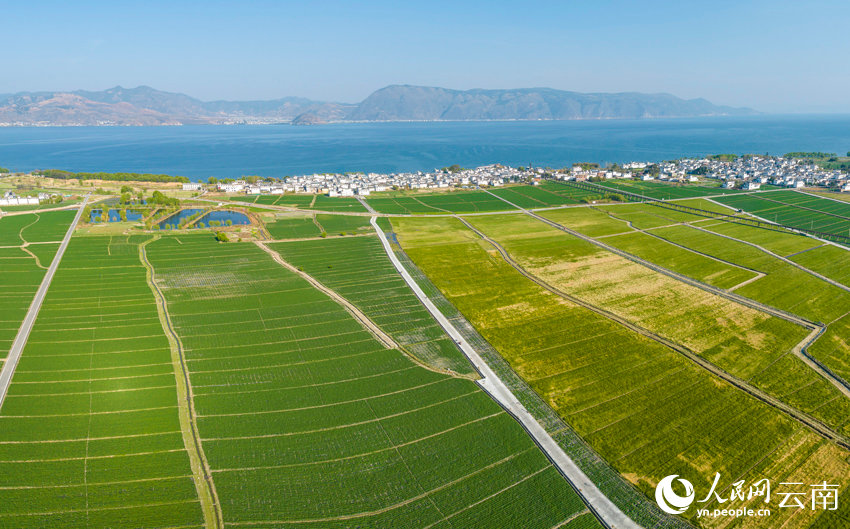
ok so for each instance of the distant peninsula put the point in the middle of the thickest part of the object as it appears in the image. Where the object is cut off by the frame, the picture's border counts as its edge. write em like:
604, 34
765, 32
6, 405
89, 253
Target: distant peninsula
145, 106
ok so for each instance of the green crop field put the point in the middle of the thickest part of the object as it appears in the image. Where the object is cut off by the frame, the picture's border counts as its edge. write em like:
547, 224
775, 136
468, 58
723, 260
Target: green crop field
827, 260
532, 197
593, 222
465, 202
575, 194
401, 205
336, 224
664, 190
778, 242
89, 432
21, 272
316, 202
453, 202
647, 410
337, 204
22, 268
306, 418
360, 271
291, 227
34, 227
689, 263
794, 209
784, 286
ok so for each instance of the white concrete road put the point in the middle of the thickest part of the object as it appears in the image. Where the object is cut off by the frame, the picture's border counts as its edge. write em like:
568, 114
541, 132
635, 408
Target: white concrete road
493, 385
24, 333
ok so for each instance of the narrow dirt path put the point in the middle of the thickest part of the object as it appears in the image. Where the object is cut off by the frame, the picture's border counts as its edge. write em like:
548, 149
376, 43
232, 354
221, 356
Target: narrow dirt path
801, 417
213, 518
37, 261
21, 338
777, 256
316, 222
385, 339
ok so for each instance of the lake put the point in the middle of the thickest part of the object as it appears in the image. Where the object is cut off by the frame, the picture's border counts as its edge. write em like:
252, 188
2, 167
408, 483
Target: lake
278, 150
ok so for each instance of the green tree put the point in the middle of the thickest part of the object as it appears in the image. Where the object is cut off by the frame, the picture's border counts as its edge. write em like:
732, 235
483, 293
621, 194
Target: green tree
104, 217
126, 189
221, 237
228, 222
123, 214
212, 180
324, 234
201, 225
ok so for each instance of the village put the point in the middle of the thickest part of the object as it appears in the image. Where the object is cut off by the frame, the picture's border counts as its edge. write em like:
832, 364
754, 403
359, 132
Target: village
748, 173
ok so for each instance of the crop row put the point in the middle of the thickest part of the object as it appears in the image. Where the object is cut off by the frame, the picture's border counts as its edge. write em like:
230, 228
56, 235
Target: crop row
665, 191
645, 409
748, 346
331, 430
95, 380
785, 286
454, 202
20, 277
789, 215
359, 270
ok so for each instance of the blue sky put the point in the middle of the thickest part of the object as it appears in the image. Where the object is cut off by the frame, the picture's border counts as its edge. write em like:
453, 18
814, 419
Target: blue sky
774, 56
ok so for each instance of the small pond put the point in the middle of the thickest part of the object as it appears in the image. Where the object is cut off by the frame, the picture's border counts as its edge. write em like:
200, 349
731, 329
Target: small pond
174, 220
223, 216
115, 215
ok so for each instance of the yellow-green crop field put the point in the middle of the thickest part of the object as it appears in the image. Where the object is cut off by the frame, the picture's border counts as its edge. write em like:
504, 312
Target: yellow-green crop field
648, 410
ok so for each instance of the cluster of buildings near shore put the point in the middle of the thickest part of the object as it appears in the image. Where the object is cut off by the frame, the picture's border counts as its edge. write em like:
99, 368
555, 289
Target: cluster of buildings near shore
12, 199
747, 173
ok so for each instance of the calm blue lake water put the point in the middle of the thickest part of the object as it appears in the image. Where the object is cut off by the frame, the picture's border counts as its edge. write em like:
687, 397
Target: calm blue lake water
278, 150
223, 216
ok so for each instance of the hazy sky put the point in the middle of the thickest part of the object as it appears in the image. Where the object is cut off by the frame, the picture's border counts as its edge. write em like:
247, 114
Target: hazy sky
774, 56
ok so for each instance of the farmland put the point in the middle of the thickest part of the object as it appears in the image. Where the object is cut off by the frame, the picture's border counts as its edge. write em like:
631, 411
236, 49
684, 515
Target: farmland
313, 202
306, 417
531, 197
359, 270
784, 286
21, 272
22, 265
746, 343
336, 224
89, 432
796, 210
647, 410
441, 203
665, 191
304, 225
292, 227
34, 227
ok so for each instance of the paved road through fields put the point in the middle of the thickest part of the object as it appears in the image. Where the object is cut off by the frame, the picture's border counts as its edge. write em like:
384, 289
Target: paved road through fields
610, 514
24, 333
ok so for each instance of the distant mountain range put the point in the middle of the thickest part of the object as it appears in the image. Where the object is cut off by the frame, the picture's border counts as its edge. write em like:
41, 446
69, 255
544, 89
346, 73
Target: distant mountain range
146, 106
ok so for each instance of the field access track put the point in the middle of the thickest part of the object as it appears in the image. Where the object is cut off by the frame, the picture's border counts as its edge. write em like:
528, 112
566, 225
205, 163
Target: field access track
306, 418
